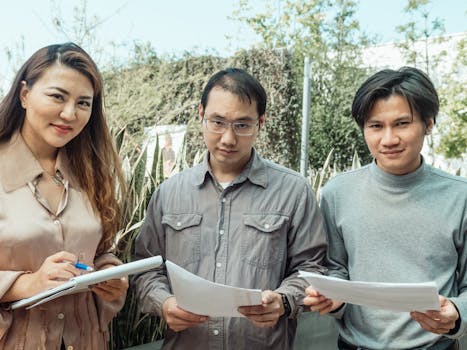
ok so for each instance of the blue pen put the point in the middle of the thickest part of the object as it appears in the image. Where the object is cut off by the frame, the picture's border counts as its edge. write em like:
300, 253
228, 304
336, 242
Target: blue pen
84, 267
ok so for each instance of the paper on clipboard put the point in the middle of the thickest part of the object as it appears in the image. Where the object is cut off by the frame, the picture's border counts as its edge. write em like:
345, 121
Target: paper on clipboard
388, 296
81, 283
203, 297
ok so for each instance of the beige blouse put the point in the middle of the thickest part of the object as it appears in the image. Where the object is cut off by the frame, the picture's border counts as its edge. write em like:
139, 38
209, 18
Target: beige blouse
29, 233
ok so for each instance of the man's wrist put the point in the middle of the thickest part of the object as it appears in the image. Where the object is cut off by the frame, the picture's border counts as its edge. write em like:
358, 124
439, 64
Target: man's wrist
286, 304
458, 323
337, 309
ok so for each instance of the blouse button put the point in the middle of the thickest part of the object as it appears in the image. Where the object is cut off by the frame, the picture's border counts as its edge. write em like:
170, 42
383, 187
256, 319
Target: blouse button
69, 347
60, 316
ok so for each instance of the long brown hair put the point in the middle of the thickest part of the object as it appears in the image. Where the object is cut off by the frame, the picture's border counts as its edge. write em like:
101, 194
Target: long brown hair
92, 155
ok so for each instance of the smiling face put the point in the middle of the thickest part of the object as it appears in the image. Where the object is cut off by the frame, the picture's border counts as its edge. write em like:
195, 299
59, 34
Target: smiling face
58, 106
229, 153
395, 134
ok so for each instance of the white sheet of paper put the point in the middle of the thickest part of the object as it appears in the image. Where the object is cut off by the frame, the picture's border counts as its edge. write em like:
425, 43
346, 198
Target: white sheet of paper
81, 283
203, 297
388, 296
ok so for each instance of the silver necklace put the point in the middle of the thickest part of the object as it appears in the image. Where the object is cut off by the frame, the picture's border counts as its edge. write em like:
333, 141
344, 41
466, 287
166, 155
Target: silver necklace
57, 177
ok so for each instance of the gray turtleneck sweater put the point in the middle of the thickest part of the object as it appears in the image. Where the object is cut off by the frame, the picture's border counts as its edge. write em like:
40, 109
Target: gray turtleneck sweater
387, 228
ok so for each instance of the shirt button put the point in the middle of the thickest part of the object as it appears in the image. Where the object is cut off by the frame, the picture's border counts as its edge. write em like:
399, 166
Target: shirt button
60, 316
179, 224
69, 347
224, 200
215, 332
218, 264
57, 222
266, 226
221, 232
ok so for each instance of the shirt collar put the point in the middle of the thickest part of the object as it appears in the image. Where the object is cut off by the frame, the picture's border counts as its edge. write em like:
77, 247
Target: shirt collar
254, 171
19, 166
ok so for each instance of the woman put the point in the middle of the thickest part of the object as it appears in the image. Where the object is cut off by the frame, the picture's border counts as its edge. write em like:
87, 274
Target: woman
58, 180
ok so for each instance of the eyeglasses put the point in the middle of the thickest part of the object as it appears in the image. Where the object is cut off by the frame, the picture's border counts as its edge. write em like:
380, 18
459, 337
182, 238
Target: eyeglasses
219, 126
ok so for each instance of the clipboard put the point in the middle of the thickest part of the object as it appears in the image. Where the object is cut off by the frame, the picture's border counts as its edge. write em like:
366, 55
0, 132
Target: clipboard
82, 283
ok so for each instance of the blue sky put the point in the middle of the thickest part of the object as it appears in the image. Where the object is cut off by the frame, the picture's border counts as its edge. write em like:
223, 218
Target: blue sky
173, 26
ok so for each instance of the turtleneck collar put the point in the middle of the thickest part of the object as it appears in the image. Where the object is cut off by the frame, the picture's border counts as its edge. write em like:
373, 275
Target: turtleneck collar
398, 181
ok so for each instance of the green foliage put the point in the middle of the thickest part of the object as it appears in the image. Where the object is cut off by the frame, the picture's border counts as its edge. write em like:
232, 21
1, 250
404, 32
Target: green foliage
453, 143
162, 91
334, 50
154, 91
319, 176
453, 129
413, 32
130, 327
279, 140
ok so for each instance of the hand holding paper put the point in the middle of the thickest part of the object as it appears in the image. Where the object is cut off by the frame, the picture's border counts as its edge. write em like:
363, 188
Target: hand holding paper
179, 319
82, 283
439, 322
389, 296
268, 313
111, 289
320, 303
203, 297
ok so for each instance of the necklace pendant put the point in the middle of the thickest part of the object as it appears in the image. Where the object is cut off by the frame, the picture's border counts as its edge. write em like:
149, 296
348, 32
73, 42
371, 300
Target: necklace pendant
58, 178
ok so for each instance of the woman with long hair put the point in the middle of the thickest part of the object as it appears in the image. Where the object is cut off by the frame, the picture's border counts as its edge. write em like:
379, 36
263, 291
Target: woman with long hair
58, 203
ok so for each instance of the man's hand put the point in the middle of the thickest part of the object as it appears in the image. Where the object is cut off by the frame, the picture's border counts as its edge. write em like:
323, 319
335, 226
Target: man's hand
268, 313
178, 319
319, 303
439, 322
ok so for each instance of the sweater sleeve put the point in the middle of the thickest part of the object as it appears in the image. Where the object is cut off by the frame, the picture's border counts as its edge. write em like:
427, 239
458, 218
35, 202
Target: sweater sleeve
460, 300
336, 259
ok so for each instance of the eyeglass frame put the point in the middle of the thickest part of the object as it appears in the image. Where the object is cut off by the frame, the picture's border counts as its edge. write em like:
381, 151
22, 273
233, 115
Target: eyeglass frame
230, 124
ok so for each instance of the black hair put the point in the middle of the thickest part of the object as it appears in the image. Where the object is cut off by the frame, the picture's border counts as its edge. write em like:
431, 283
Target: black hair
410, 83
240, 83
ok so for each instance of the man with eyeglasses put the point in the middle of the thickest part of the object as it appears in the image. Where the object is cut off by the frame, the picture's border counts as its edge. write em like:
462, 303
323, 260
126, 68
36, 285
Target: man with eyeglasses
235, 219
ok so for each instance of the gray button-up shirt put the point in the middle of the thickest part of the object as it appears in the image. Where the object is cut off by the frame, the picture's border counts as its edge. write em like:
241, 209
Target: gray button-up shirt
256, 233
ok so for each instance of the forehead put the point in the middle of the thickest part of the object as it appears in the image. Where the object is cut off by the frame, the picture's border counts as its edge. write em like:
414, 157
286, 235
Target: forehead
62, 76
224, 102
393, 106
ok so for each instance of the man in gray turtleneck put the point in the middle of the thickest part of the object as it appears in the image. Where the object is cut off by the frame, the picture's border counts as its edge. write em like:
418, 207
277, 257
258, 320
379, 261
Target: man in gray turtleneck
397, 220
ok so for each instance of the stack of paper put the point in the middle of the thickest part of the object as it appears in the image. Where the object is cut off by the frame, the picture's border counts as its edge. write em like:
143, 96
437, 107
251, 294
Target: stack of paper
389, 296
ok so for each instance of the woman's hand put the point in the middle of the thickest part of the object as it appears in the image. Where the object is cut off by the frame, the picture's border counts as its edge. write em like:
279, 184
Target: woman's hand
55, 270
112, 289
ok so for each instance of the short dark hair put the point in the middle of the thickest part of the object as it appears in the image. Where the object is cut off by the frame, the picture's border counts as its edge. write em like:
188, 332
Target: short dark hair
410, 83
240, 83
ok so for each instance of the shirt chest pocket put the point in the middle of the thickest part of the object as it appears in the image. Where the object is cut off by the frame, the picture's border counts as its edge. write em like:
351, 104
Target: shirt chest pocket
183, 238
264, 239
